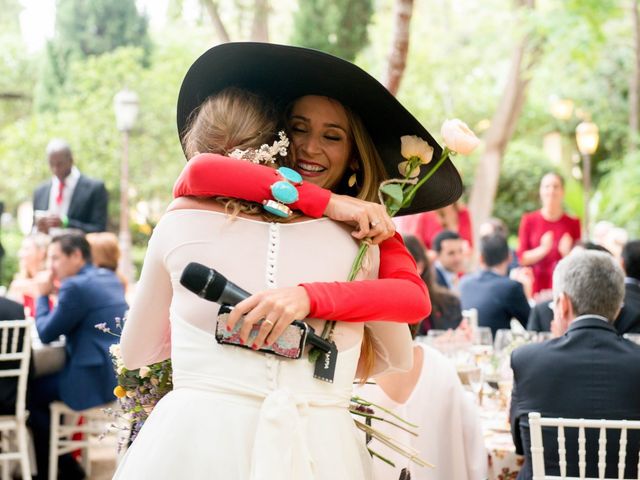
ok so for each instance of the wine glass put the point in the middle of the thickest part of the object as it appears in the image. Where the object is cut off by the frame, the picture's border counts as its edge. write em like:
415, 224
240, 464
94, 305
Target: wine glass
503, 339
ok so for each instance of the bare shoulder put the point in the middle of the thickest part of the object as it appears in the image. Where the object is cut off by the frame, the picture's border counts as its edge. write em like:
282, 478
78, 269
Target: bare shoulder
195, 203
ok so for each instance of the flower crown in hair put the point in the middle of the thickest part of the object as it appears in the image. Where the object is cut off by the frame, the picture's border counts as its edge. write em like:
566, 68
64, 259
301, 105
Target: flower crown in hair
266, 154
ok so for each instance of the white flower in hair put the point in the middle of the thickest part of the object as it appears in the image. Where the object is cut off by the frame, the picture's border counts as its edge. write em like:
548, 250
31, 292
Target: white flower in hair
266, 154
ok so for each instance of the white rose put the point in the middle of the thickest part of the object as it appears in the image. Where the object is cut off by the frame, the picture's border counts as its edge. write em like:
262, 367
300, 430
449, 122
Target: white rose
459, 137
414, 146
144, 372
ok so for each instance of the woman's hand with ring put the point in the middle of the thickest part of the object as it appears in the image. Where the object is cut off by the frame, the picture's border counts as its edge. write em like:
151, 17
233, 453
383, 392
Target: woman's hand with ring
372, 219
276, 308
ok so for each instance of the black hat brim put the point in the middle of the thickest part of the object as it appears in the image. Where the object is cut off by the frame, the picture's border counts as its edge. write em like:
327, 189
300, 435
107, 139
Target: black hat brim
284, 73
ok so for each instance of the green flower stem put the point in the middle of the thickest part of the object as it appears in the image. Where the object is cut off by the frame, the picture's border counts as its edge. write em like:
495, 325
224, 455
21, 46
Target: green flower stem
412, 191
391, 210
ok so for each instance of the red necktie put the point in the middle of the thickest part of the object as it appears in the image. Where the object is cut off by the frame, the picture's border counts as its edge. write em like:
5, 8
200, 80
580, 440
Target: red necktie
60, 191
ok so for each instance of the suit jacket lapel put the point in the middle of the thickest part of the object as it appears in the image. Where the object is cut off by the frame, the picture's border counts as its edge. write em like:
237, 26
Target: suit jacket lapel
77, 198
42, 197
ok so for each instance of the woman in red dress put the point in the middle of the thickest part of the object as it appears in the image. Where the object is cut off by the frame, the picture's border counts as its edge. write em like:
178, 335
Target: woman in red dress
547, 235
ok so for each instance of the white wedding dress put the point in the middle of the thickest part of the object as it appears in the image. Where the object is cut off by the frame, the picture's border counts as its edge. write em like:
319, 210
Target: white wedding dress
236, 414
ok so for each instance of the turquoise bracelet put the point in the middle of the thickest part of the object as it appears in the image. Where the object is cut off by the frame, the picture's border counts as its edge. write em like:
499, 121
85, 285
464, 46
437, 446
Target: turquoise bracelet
284, 192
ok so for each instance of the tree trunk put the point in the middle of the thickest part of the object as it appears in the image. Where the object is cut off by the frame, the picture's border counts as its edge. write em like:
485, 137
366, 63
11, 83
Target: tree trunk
218, 26
503, 124
260, 26
400, 45
634, 84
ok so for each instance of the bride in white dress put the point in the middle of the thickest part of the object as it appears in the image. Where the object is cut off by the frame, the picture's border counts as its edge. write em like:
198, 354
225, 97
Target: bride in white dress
235, 413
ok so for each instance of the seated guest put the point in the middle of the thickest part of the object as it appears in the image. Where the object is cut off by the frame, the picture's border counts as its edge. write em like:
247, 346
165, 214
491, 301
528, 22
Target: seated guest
31, 260
9, 310
589, 372
449, 262
496, 297
105, 252
431, 396
541, 315
87, 296
629, 319
445, 306
495, 225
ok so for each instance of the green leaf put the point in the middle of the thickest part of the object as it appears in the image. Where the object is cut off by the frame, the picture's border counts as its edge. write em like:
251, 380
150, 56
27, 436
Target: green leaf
394, 193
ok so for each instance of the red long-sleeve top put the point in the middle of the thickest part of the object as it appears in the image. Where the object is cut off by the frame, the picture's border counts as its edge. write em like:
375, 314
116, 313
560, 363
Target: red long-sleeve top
398, 295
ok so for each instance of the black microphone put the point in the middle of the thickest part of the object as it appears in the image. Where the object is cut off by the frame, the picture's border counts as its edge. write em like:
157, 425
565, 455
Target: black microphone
211, 285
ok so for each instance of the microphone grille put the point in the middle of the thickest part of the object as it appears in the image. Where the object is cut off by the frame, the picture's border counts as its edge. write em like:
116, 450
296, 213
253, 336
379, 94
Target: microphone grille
195, 277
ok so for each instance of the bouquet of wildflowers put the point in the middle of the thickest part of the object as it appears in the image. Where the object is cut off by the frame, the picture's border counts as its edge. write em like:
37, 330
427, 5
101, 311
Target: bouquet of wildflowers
138, 391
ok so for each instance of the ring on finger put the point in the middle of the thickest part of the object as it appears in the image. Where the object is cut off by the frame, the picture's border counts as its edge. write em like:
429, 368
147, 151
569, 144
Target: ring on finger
268, 322
374, 222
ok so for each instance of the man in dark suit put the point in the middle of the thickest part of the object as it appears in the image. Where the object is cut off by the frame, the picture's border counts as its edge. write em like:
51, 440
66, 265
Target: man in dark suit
589, 372
449, 259
87, 296
497, 298
70, 199
629, 319
9, 310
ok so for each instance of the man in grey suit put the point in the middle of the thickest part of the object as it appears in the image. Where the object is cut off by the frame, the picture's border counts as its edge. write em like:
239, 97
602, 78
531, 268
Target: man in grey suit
70, 199
589, 372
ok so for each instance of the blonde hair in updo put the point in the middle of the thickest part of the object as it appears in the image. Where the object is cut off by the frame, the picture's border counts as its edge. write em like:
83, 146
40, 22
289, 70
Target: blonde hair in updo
228, 120
232, 118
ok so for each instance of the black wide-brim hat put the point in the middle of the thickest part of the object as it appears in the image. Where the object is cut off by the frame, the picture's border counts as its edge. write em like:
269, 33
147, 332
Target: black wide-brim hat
284, 73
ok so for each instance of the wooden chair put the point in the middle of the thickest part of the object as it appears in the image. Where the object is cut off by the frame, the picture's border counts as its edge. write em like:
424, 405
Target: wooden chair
536, 422
13, 429
65, 423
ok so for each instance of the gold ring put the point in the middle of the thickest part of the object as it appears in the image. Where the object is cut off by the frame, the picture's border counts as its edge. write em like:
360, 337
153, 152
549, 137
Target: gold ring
268, 321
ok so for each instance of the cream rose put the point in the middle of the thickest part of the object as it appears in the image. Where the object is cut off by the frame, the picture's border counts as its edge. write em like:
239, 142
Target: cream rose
144, 371
459, 137
403, 166
414, 146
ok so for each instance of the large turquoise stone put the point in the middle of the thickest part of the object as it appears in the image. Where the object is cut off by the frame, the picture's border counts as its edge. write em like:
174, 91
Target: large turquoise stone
284, 192
291, 175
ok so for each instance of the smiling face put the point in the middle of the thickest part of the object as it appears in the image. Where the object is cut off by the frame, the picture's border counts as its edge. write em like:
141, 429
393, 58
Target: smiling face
321, 140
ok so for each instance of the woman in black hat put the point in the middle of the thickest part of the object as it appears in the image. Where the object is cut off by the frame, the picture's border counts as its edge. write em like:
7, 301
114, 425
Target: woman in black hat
234, 413
298, 78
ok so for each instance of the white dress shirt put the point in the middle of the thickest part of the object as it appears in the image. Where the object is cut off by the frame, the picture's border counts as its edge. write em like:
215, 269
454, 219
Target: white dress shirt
70, 183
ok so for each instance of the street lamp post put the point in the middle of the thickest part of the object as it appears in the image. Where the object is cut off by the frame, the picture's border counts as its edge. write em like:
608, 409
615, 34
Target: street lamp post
125, 104
587, 138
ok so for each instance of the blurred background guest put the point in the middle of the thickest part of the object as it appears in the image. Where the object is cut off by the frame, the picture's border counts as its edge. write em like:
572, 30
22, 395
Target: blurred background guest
431, 396
449, 263
105, 252
495, 225
31, 260
427, 225
547, 235
629, 319
69, 199
9, 310
446, 311
495, 296
88, 296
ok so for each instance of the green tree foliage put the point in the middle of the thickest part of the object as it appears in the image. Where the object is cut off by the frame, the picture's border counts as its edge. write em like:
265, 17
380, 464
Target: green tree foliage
86, 120
335, 26
85, 28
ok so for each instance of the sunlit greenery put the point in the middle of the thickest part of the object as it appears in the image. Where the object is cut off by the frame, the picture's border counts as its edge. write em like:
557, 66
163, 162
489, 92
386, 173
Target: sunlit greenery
458, 59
